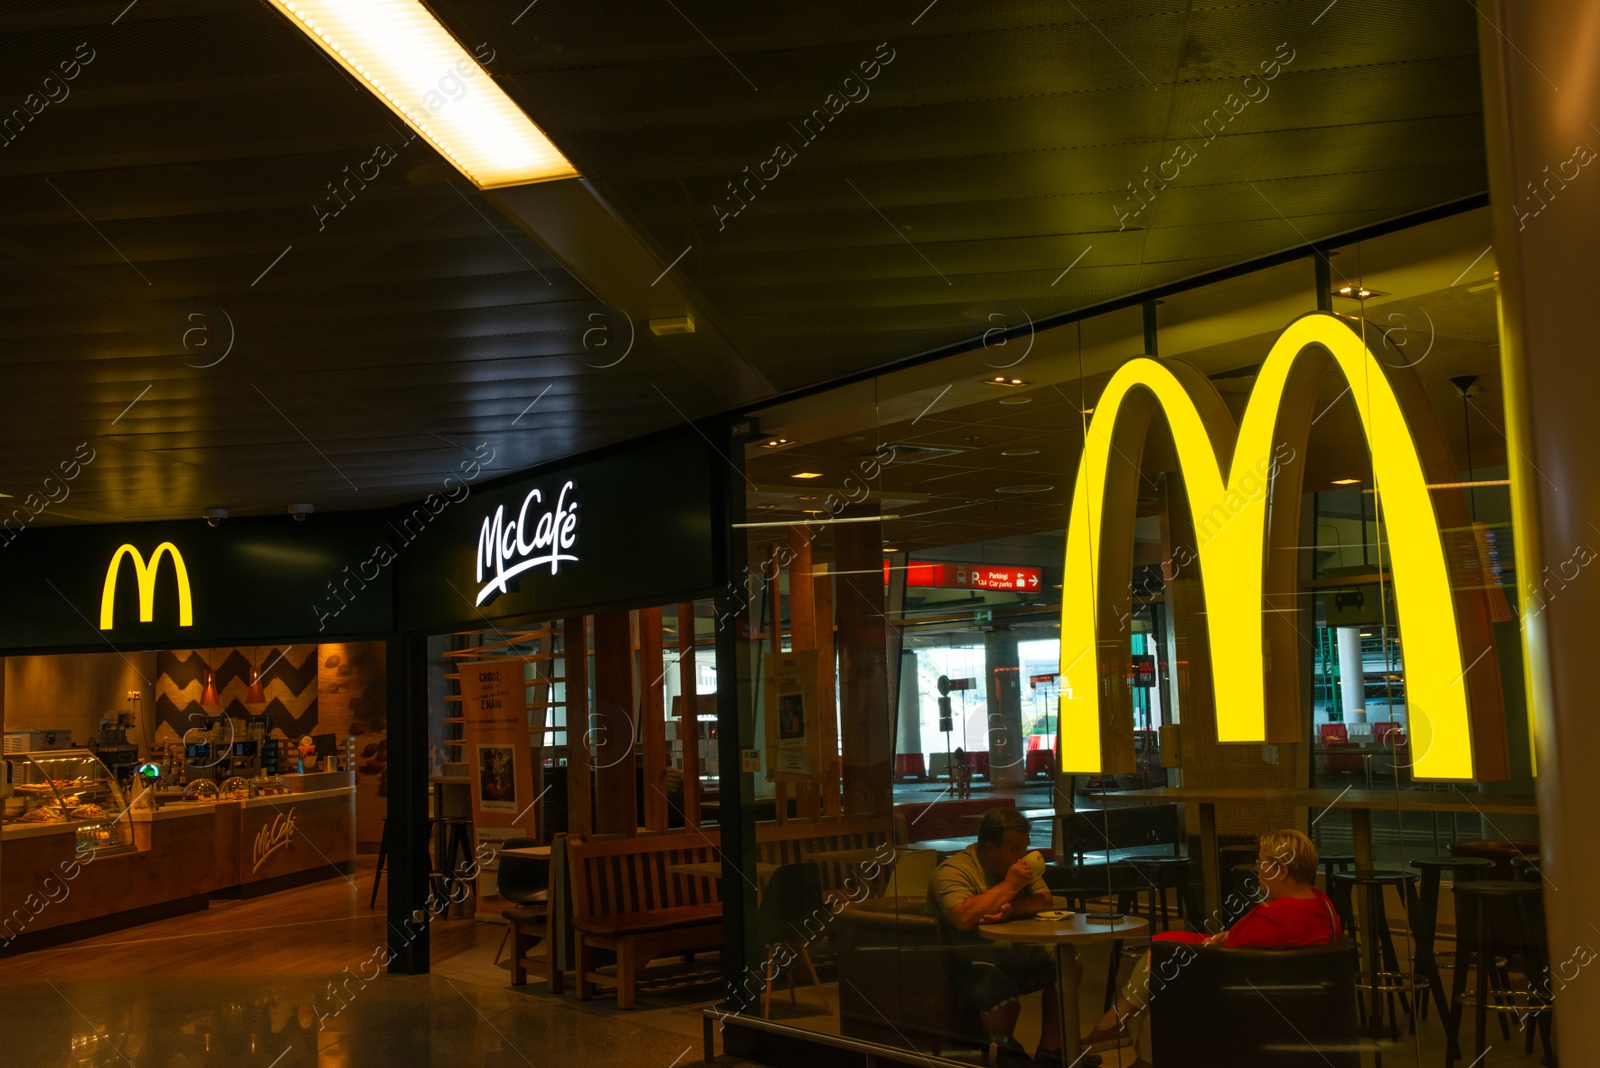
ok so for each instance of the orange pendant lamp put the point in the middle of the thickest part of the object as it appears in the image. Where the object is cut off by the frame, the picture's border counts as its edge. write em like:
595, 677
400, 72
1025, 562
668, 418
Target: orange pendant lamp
208, 696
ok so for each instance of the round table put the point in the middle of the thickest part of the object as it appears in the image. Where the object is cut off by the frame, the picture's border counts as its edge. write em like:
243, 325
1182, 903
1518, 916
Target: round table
1064, 935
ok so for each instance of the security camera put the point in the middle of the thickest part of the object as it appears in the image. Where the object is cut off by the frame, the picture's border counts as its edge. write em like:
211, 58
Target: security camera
301, 511
215, 516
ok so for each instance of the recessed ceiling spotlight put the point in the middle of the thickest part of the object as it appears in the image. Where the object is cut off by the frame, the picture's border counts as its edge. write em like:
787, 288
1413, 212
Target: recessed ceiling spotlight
807, 474
1019, 452
776, 443
1004, 380
1346, 481
806, 497
1355, 292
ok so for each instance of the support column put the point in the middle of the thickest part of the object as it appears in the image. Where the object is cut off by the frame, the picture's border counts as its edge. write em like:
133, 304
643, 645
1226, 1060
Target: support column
652, 718
611, 726
1002, 670
1352, 676
1540, 97
908, 734
575, 669
406, 829
865, 716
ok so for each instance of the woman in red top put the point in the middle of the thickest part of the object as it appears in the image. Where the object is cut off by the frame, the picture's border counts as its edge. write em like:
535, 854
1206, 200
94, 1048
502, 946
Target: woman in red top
1295, 913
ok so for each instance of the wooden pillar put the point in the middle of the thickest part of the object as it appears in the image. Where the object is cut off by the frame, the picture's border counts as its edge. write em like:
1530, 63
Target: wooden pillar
827, 683
775, 646
611, 745
867, 721
803, 635
575, 667
689, 720
1544, 203
652, 718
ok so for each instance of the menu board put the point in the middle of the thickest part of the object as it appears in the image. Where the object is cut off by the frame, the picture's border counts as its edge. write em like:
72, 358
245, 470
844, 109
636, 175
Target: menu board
792, 720
494, 711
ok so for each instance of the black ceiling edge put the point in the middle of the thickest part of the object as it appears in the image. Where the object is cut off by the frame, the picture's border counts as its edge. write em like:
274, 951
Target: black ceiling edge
1296, 252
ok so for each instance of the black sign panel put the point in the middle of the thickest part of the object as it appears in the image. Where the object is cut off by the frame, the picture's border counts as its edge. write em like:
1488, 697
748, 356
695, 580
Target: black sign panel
629, 528
247, 579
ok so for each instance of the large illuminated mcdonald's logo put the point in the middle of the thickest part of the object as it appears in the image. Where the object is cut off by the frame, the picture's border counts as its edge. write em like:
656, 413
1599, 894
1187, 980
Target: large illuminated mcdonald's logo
146, 574
1245, 505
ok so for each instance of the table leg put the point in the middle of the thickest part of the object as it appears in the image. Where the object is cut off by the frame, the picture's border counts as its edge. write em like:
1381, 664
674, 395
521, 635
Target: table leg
1211, 875
1067, 988
1361, 836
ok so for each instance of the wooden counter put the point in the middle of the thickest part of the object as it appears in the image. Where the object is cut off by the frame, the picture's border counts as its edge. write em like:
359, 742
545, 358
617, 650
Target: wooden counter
184, 853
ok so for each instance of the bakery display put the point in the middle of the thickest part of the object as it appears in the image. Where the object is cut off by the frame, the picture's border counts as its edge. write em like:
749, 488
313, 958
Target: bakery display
69, 787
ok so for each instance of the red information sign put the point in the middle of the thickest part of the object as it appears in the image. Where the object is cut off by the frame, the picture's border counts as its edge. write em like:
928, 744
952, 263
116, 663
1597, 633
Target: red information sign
968, 576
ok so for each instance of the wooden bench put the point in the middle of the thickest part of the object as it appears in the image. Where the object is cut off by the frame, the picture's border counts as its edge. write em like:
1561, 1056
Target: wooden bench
798, 841
624, 899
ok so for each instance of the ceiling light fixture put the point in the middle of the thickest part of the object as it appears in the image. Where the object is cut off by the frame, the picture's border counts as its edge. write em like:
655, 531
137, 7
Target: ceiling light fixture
413, 64
806, 474
1025, 487
1016, 400
1346, 481
776, 443
815, 522
1004, 380
1354, 292
1019, 452
1470, 485
675, 324
888, 549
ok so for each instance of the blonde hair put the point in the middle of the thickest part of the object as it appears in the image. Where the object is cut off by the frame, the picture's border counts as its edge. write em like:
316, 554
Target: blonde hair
1293, 852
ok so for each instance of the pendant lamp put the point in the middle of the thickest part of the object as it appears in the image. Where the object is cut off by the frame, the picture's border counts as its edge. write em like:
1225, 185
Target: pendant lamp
208, 696
256, 695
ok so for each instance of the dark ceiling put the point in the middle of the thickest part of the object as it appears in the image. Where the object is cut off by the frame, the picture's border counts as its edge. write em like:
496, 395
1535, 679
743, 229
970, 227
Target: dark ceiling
991, 153
373, 350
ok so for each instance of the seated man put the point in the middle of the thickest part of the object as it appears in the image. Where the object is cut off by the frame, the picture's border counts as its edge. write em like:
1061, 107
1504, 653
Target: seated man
1295, 913
989, 882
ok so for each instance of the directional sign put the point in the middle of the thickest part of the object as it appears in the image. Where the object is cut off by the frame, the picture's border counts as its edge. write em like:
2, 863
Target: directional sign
968, 576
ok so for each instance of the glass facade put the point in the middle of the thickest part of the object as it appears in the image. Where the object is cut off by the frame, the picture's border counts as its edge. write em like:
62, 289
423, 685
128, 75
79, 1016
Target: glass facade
909, 552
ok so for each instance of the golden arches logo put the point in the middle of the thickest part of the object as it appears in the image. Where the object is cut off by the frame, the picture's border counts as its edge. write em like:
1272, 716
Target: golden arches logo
1246, 510
146, 574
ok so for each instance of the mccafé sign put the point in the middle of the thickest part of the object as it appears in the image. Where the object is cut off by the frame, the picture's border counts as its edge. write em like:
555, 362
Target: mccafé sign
146, 574
1246, 507
536, 537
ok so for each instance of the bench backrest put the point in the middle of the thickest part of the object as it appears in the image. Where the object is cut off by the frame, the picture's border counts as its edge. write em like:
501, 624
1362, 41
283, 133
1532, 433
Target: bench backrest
797, 841
628, 875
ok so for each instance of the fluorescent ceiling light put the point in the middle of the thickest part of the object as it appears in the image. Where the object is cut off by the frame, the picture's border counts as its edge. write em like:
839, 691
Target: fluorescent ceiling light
1345, 481
1470, 485
415, 66
807, 474
816, 522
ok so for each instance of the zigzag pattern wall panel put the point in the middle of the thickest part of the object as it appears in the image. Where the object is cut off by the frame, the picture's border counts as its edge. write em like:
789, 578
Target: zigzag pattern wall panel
289, 677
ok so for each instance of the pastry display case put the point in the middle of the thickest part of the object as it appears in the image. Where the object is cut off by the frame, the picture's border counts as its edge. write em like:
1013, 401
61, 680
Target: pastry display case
72, 790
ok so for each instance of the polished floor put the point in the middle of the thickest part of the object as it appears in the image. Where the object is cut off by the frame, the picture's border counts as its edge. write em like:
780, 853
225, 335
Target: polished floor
285, 981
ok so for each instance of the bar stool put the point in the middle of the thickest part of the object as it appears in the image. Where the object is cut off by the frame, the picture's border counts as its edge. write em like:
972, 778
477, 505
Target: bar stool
383, 863
1163, 873
1383, 978
1344, 861
1527, 868
454, 845
1238, 858
1425, 918
1476, 904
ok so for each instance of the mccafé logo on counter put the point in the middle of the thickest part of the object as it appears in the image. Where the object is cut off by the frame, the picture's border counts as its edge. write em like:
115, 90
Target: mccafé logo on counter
507, 548
146, 574
1244, 501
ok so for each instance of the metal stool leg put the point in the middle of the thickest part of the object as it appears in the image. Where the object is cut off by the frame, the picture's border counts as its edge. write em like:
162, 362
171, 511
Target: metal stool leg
383, 861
